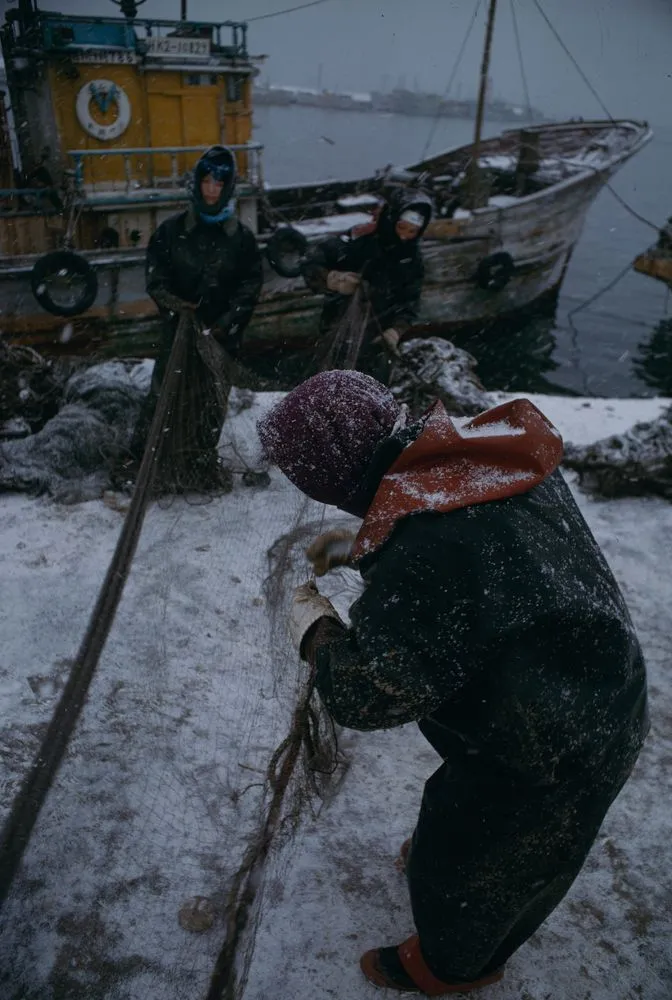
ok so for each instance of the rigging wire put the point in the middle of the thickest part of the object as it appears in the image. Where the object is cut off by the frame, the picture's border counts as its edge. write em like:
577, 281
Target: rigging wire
287, 10
526, 92
593, 298
627, 207
452, 78
575, 63
575, 353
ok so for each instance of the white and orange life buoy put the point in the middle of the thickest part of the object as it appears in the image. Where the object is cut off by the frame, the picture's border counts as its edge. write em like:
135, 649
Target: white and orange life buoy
104, 93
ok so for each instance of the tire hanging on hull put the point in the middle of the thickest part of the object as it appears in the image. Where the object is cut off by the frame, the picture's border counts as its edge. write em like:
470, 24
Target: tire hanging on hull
68, 272
284, 251
494, 272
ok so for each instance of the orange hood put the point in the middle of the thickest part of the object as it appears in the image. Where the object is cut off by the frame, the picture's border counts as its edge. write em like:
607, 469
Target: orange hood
500, 453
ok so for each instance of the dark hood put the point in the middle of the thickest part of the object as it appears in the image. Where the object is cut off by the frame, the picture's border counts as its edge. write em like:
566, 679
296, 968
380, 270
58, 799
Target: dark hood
220, 163
399, 202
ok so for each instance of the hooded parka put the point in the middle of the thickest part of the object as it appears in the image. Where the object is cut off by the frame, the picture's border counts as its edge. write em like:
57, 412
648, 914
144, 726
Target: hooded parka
206, 262
491, 618
392, 273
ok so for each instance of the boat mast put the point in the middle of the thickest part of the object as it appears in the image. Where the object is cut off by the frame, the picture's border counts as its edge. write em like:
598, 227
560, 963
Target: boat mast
472, 195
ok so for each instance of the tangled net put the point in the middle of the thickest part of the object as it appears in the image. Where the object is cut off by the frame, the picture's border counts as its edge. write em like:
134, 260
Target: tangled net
30, 387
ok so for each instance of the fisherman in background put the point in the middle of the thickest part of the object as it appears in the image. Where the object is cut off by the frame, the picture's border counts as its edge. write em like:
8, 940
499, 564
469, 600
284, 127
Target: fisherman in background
490, 617
381, 265
207, 263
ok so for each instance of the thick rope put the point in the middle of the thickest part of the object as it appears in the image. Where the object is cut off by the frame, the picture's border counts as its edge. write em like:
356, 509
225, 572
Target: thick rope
225, 984
33, 792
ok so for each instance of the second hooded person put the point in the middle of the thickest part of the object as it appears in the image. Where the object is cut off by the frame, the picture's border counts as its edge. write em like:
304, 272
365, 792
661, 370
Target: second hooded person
382, 264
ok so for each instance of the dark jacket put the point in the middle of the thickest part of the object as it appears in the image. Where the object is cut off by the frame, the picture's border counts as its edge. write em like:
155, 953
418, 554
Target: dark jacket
392, 269
218, 266
498, 627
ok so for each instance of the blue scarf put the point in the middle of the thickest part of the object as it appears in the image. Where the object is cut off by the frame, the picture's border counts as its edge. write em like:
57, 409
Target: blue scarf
221, 216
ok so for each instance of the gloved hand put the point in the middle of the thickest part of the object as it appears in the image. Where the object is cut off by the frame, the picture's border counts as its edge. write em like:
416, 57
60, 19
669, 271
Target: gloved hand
174, 304
343, 282
226, 332
391, 338
330, 550
308, 606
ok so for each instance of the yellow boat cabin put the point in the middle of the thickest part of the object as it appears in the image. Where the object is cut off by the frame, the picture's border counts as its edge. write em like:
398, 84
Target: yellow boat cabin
109, 116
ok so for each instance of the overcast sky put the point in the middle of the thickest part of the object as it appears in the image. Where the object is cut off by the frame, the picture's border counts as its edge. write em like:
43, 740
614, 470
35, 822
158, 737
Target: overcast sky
623, 46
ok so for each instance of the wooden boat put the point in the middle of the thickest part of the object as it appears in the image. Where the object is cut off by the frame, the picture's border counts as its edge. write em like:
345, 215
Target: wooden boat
657, 260
115, 111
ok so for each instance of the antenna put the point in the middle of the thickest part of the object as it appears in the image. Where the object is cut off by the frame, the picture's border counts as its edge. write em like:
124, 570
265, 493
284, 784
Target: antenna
129, 8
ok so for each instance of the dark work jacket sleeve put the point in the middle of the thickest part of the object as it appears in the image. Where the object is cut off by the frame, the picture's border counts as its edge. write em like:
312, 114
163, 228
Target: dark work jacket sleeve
383, 671
330, 255
158, 271
230, 326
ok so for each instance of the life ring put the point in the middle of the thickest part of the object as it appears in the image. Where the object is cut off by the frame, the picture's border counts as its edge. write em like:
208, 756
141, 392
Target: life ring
284, 251
495, 272
104, 93
64, 283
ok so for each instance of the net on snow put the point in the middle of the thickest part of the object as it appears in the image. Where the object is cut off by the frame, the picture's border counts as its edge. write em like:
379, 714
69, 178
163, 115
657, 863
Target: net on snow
198, 752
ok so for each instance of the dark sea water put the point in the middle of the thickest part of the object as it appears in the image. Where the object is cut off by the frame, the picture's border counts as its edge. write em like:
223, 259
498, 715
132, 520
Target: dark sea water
621, 344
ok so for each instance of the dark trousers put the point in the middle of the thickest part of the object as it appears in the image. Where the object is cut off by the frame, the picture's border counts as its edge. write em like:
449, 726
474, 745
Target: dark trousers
490, 861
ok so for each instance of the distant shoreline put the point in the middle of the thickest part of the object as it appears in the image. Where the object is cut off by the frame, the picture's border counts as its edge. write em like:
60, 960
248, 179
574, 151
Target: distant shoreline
399, 102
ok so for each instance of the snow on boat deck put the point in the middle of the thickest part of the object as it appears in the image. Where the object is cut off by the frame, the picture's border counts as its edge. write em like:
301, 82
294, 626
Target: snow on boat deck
156, 797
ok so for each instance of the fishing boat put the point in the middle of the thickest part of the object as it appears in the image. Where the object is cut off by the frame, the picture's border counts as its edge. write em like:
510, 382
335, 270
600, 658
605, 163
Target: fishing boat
106, 116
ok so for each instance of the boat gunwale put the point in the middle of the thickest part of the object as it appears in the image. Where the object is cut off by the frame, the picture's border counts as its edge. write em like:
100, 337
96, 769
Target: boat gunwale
127, 257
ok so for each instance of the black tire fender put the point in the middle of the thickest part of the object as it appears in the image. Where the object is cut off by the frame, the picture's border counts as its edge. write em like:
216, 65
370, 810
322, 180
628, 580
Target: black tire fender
284, 251
64, 263
495, 272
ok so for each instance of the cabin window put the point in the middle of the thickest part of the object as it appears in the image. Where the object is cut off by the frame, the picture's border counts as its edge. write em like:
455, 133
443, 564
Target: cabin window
234, 88
200, 80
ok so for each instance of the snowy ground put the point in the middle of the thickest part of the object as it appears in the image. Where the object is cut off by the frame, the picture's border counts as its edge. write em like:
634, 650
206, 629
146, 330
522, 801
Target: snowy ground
159, 790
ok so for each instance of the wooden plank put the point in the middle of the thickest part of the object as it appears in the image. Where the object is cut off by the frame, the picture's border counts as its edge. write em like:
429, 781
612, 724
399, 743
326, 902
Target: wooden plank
445, 229
655, 265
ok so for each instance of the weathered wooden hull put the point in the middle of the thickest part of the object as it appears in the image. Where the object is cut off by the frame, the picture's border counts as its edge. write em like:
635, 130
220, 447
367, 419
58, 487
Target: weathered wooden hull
124, 321
656, 263
538, 231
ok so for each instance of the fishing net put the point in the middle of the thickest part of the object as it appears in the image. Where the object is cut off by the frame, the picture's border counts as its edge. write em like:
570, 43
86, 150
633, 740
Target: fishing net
162, 841
73, 456
30, 387
165, 836
343, 348
188, 460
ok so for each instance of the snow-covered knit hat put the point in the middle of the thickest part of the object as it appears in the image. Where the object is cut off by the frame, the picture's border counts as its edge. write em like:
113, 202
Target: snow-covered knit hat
415, 218
324, 433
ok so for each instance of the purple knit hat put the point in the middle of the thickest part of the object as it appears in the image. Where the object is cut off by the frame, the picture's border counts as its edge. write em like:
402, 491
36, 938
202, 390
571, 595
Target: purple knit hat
324, 433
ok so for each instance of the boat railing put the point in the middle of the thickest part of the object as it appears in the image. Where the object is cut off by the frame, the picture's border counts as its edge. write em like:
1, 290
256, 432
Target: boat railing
18, 202
155, 168
47, 32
